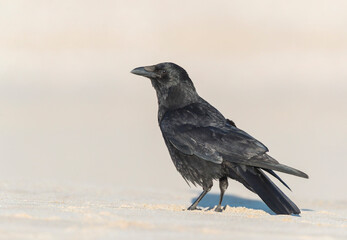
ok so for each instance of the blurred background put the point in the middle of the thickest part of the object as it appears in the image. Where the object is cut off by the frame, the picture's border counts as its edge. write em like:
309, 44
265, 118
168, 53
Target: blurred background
71, 112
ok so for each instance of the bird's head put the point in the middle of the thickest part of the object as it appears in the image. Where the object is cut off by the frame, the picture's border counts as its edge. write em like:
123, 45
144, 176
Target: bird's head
171, 82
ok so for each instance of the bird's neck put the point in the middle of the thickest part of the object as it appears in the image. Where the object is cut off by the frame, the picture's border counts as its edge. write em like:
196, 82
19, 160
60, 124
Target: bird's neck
174, 98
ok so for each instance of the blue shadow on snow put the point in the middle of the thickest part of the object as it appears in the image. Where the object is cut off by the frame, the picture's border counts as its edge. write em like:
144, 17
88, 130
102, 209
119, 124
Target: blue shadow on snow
212, 199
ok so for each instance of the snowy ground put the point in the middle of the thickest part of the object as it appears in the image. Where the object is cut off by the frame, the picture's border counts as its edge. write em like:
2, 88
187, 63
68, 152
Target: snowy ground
49, 211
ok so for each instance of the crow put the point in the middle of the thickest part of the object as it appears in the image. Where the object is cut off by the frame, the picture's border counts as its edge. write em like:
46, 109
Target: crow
205, 146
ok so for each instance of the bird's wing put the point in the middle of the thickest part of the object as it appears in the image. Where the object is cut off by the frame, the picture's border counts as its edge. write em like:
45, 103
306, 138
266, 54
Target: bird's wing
199, 129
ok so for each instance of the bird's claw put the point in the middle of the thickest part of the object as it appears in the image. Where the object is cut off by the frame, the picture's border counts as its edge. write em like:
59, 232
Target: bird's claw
191, 208
219, 209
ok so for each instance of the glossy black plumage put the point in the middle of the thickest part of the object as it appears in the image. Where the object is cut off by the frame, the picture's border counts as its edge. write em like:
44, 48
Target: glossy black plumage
205, 146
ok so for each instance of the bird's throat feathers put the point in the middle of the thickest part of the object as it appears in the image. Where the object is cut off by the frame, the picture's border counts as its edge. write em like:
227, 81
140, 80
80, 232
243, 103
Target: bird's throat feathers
175, 96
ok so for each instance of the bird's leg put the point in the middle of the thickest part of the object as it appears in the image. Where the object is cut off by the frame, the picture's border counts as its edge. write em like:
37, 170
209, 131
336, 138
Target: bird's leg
196, 202
223, 185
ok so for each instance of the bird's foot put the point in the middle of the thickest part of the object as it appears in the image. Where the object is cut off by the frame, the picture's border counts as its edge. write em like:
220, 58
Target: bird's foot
219, 208
191, 208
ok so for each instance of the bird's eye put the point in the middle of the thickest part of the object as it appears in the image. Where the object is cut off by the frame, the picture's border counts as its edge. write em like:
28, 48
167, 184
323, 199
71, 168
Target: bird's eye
162, 73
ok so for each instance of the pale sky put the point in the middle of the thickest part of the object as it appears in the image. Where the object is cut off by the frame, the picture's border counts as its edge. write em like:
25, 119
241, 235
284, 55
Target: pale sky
70, 109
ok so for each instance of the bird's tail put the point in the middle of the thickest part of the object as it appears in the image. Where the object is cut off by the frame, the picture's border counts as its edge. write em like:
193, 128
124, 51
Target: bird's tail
256, 180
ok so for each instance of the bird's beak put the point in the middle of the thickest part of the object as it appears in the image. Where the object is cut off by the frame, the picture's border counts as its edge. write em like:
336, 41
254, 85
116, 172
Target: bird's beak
145, 72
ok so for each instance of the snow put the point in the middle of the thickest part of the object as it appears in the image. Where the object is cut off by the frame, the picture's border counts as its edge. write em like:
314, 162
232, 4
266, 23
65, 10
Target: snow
51, 211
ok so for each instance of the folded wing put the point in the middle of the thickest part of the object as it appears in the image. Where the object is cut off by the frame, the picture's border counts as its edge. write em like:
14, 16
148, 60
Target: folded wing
199, 129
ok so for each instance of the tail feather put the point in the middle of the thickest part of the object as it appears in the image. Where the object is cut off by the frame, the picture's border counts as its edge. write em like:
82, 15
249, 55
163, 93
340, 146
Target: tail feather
256, 180
278, 178
267, 162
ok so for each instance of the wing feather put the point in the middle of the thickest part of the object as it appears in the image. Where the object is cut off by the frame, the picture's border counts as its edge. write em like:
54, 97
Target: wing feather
199, 129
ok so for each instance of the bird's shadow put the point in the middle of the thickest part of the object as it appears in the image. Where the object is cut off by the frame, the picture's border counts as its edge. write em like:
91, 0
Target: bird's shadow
212, 199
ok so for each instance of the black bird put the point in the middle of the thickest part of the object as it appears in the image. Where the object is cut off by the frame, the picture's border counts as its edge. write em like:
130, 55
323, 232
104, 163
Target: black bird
205, 146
